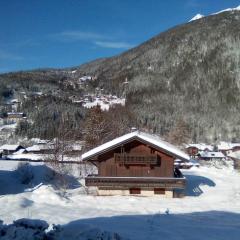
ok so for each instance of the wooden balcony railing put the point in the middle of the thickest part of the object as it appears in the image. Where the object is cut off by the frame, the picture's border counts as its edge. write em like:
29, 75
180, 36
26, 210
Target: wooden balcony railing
127, 159
130, 182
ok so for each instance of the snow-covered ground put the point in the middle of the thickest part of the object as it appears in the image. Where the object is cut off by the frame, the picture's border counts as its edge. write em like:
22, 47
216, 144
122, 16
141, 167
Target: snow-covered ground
211, 209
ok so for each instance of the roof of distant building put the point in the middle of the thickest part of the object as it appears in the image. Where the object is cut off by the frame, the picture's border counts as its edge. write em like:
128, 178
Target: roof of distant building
205, 154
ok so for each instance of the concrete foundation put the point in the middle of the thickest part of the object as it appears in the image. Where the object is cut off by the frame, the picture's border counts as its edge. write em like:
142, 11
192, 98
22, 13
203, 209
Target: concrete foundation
145, 193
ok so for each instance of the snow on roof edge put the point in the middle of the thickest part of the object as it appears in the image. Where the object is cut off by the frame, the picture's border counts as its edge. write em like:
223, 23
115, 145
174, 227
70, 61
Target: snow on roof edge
154, 140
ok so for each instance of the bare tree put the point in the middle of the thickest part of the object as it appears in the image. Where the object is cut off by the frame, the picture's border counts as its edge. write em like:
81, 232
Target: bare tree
179, 134
57, 157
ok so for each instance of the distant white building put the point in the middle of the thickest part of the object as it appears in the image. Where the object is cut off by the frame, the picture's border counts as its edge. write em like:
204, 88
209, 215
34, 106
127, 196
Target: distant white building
205, 155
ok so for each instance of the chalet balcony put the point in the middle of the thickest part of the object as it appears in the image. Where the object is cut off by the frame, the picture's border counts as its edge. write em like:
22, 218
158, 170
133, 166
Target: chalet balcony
133, 182
132, 159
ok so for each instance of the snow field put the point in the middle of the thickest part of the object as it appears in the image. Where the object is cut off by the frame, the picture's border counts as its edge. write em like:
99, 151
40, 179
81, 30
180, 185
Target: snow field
211, 209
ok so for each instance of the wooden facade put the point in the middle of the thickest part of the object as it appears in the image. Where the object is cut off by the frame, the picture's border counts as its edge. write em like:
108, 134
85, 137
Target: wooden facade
134, 167
192, 151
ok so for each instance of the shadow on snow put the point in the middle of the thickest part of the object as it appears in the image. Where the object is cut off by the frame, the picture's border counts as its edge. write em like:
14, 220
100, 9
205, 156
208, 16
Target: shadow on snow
194, 183
10, 182
212, 225
191, 226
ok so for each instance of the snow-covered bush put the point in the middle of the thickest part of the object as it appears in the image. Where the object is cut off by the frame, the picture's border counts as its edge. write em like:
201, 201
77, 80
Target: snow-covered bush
79, 231
25, 172
24, 229
30, 229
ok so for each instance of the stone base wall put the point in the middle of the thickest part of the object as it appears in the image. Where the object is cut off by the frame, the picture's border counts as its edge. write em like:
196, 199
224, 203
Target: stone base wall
145, 193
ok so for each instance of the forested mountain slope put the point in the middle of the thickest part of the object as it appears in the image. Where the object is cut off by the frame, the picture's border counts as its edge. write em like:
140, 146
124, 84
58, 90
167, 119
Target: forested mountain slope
189, 73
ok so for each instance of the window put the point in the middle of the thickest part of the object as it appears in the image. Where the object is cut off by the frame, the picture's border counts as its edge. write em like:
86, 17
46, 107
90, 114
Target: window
159, 191
135, 191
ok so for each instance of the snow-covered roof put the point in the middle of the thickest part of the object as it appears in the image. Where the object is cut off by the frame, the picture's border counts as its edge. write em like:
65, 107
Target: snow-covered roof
141, 136
205, 154
76, 147
43, 141
85, 78
227, 145
34, 148
200, 146
235, 154
10, 147
14, 101
25, 156
14, 113
20, 151
39, 147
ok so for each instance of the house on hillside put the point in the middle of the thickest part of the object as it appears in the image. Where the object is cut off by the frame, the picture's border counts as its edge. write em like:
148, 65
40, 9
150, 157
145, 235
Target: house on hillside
75, 149
136, 163
41, 149
227, 148
194, 148
10, 149
14, 117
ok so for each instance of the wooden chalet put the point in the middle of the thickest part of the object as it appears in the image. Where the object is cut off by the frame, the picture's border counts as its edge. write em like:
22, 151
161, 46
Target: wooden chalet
194, 148
136, 163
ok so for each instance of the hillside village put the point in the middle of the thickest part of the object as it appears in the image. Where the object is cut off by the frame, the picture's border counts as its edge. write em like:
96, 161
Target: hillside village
11, 117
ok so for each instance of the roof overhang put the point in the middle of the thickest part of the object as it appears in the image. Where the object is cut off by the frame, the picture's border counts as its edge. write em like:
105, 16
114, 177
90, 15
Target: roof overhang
92, 156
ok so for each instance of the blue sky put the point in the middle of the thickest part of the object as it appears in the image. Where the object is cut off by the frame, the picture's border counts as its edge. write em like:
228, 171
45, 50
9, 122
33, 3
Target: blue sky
64, 33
